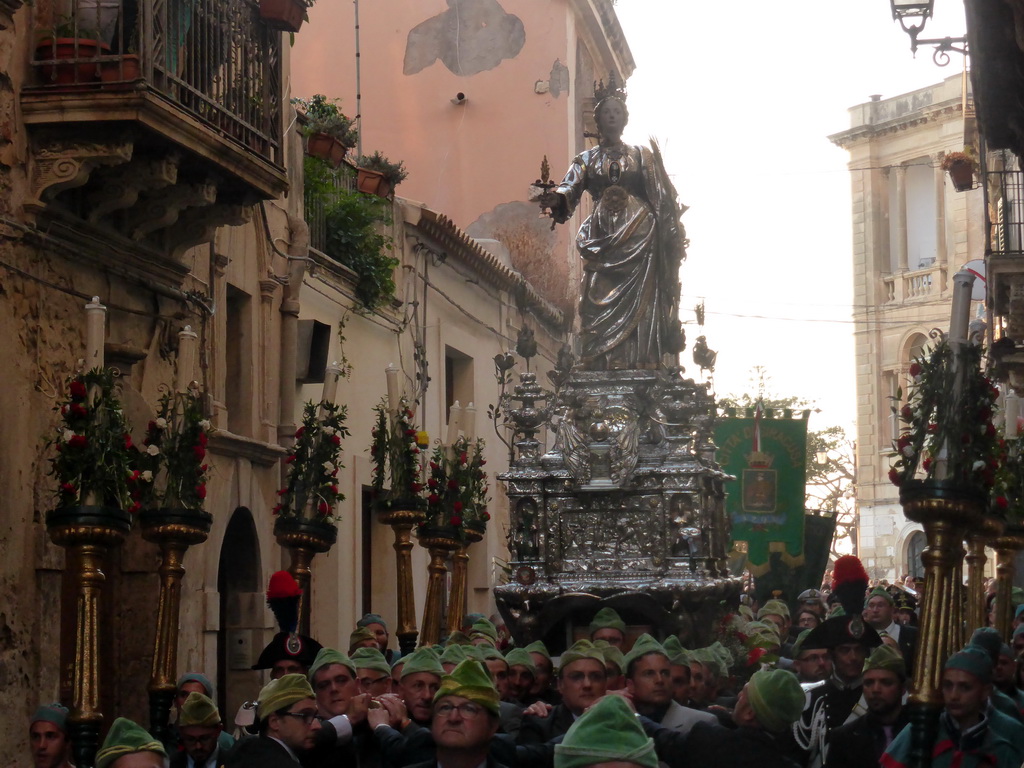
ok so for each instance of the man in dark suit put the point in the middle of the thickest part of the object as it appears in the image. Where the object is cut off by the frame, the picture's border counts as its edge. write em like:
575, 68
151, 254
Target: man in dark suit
199, 731
879, 612
582, 679
864, 741
288, 724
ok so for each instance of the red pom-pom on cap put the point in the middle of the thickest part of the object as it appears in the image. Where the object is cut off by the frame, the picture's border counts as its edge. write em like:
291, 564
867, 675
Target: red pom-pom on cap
282, 585
848, 568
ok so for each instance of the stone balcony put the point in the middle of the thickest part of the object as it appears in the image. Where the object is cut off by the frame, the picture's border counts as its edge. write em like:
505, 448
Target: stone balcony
167, 129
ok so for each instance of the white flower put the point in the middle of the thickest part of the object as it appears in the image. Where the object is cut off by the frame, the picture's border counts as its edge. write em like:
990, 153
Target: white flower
147, 476
908, 451
978, 465
329, 430
206, 425
161, 423
153, 450
68, 434
328, 466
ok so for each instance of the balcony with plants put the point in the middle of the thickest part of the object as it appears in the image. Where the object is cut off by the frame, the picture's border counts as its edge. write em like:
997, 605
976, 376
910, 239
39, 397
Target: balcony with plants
156, 120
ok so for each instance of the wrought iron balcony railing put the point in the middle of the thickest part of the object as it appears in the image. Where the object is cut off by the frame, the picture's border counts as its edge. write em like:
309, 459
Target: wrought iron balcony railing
215, 59
1004, 190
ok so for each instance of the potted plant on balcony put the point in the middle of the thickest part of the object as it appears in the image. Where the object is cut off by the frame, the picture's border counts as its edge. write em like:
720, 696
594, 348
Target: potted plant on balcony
329, 133
286, 15
960, 166
68, 53
379, 176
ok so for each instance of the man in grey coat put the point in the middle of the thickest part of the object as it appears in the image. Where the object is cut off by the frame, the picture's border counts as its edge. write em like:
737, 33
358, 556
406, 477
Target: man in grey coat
649, 682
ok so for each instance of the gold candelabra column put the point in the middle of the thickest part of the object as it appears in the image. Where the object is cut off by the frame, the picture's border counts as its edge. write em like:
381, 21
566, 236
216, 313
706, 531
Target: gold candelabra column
440, 547
174, 530
304, 539
947, 515
86, 533
460, 577
1007, 545
402, 522
986, 531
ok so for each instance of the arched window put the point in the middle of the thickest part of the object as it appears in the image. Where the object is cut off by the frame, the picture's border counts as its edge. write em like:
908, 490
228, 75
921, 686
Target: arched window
915, 546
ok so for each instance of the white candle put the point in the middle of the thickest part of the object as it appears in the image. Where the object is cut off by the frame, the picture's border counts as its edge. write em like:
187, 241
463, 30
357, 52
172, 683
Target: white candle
454, 416
188, 341
331, 376
469, 422
95, 333
1011, 413
394, 391
963, 282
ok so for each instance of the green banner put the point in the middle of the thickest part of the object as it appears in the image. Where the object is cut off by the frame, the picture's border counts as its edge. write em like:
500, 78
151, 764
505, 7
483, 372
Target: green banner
766, 503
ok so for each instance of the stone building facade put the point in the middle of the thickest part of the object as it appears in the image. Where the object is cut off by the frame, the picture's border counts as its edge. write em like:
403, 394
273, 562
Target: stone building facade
912, 231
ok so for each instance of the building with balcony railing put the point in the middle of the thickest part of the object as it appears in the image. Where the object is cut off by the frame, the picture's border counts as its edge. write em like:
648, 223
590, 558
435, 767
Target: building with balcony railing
911, 233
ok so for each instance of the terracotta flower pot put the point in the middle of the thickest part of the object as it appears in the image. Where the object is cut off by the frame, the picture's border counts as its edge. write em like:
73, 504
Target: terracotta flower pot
125, 70
372, 183
78, 51
962, 174
286, 15
327, 148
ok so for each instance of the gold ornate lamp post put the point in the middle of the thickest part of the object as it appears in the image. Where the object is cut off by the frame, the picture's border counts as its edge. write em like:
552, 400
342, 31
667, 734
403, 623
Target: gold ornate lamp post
989, 528
304, 539
402, 521
440, 543
1007, 545
460, 563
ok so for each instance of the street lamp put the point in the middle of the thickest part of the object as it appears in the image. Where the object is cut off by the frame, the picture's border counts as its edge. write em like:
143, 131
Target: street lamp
907, 11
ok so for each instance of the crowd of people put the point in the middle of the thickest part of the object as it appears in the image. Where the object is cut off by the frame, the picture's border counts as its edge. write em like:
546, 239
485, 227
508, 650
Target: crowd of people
819, 682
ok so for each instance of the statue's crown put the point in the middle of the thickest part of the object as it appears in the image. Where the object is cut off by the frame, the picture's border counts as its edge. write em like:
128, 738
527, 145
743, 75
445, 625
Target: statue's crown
602, 91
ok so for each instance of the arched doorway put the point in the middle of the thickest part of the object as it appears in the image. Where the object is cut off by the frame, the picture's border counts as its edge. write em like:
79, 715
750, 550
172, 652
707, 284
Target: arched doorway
241, 613
915, 546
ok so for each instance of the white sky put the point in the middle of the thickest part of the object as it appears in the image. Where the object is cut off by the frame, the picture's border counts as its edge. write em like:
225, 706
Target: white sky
741, 96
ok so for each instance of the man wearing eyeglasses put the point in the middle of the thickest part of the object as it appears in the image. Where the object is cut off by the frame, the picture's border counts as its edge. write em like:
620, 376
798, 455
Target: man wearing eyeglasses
288, 725
372, 671
582, 680
199, 731
464, 718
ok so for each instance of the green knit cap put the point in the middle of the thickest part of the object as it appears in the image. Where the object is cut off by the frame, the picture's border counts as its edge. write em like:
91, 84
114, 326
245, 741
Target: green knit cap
711, 662
360, 635
371, 618
672, 646
888, 658
327, 656
879, 592
612, 655
370, 658
774, 608
458, 637
723, 655
485, 653
776, 697
470, 680
483, 628
422, 660
974, 660
455, 654
644, 645
199, 710
538, 647
607, 732
519, 657
581, 649
126, 738
56, 714
197, 677
607, 618
281, 693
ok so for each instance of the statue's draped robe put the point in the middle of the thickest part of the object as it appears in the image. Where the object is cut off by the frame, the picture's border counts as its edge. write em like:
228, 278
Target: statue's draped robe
631, 247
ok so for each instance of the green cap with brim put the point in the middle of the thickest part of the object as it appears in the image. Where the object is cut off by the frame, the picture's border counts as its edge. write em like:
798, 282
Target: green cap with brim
746, 611
470, 680
612, 655
798, 644
519, 657
774, 608
710, 661
455, 654
197, 677
371, 618
607, 618
370, 658
282, 693
644, 645
486, 653
538, 647
973, 660
458, 637
56, 714
327, 656
581, 649
608, 732
422, 660
484, 628
199, 710
360, 635
888, 658
776, 697
127, 738
672, 645
723, 655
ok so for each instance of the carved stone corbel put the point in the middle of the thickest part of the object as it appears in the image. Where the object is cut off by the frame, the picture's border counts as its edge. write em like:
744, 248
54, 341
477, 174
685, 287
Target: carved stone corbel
122, 185
61, 164
165, 209
198, 225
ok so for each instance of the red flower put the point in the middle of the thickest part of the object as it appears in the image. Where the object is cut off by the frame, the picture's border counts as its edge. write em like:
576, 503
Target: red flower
915, 369
203, 439
323, 508
78, 441
415, 487
455, 521
408, 413
151, 427
135, 507
336, 439
906, 413
127, 442
433, 498
487, 515
277, 509
457, 506
933, 427
203, 467
432, 482
300, 432
334, 490
77, 390
990, 430
201, 491
895, 476
289, 458
282, 492
927, 464
199, 451
463, 458
482, 462
79, 410
1002, 502
68, 488
755, 655
903, 441
433, 466
453, 483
